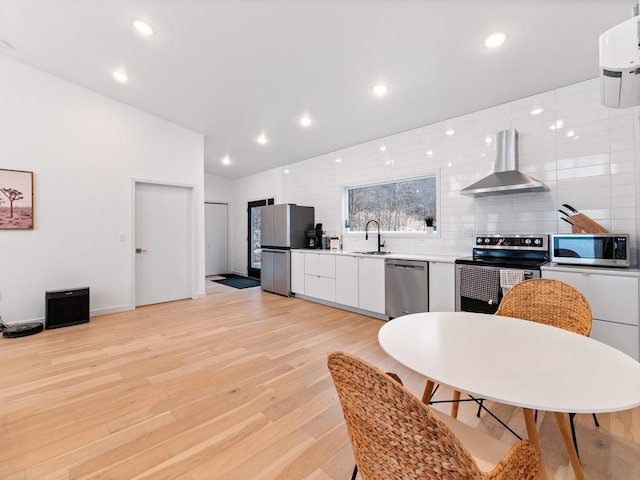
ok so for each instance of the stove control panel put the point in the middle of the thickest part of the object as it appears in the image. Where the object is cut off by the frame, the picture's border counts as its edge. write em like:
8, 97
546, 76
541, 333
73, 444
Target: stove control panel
512, 242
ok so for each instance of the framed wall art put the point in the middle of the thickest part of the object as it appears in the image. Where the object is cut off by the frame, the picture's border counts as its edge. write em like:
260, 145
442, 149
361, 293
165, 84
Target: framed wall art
16, 200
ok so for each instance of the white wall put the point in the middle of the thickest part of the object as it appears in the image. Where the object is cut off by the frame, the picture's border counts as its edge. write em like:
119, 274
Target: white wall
595, 170
217, 189
255, 187
84, 150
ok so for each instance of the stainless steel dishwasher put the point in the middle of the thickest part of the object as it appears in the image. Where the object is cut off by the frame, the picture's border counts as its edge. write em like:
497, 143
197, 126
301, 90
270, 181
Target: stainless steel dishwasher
406, 287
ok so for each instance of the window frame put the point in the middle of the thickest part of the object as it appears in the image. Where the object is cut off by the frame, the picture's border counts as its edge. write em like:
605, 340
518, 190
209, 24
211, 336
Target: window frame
345, 206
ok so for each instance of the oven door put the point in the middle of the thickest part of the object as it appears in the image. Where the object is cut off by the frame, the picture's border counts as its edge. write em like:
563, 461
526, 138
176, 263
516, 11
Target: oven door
465, 304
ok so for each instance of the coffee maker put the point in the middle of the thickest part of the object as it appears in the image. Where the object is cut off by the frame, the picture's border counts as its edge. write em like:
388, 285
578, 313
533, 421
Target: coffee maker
314, 237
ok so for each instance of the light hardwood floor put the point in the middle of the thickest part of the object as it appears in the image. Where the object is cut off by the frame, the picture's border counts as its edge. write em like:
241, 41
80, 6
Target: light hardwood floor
231, 386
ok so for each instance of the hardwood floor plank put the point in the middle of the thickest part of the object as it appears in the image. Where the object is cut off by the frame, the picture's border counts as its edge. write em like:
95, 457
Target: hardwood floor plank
233, 386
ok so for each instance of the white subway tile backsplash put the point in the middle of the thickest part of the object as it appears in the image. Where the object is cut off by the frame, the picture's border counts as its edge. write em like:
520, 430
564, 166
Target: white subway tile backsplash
594, 169
601, 171
578, 92
586, 161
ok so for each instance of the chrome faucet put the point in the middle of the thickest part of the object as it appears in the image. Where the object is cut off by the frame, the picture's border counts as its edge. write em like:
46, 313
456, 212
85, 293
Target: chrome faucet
366, 233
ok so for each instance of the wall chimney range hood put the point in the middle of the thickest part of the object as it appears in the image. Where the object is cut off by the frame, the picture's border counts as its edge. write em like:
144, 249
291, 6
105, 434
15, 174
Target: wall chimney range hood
506, 177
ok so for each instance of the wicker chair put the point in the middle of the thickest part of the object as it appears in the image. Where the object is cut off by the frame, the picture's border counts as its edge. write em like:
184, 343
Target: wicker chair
395, 436
548, 301
552, 302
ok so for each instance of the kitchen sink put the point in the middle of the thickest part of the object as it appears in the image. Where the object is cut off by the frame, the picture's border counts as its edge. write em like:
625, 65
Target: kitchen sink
374, 252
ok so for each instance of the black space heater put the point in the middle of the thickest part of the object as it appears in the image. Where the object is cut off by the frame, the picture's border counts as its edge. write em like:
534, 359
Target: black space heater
66, 307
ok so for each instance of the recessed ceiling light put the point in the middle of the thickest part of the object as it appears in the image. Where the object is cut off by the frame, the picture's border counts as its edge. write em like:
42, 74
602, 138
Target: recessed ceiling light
450, 132
382, 148
338, 160
226, 160
143, 27
262, 139
380, 90
536, 111
305, 121
430, 153
571, 133
488, 140
495, 40
286, 170
120, 76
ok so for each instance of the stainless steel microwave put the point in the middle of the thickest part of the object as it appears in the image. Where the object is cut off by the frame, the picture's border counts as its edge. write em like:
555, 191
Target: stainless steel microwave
596, 249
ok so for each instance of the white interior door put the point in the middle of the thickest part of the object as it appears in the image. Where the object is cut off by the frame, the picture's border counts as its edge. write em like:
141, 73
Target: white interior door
215, 238
163, 243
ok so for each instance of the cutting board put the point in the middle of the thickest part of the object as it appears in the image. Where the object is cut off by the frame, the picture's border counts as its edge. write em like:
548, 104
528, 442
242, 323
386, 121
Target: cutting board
583, 224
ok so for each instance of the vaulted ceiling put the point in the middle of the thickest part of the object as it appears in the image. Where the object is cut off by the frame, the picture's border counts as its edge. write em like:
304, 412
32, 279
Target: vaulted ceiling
237, 69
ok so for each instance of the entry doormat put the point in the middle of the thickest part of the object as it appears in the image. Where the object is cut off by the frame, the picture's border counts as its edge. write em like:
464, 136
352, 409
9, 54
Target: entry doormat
237, 281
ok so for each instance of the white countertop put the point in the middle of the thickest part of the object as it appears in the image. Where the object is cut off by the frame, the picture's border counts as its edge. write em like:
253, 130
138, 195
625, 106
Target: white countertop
625, 272
426, 257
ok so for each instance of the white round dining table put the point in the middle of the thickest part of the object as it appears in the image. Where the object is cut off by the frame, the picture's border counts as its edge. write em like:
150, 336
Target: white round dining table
516, 362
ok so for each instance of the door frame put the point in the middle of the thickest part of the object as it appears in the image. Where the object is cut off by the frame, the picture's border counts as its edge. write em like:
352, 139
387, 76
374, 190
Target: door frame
254, 272
193, 239
226, 204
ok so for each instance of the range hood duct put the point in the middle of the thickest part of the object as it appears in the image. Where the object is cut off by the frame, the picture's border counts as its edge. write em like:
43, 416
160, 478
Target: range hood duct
506, 178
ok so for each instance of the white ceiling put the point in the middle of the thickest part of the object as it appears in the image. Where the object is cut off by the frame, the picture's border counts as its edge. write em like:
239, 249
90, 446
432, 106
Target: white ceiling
232, 69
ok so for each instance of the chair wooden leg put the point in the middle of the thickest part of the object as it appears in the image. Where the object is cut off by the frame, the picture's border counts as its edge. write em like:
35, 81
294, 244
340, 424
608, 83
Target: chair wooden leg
532, 435
595, 420
568, 445
355, 473
455, 404
428, 388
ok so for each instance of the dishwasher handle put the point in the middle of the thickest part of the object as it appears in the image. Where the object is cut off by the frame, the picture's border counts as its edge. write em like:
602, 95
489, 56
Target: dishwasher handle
408, 264
412, 267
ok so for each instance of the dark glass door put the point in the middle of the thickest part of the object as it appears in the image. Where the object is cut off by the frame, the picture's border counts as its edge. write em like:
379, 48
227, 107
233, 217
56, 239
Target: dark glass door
253, 236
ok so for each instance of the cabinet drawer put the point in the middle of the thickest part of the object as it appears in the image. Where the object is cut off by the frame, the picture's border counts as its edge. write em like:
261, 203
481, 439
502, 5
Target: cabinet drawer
612, 298
623, 337
322, 265
320, 287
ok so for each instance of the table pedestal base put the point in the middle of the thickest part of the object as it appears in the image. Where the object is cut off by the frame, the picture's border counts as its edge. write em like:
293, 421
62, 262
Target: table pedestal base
532, 432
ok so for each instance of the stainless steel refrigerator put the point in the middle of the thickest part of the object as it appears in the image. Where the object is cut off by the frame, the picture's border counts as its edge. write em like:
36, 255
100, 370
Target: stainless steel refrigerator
282, 227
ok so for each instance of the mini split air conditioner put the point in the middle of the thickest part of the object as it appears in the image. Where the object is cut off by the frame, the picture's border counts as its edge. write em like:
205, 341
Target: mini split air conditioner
620, 64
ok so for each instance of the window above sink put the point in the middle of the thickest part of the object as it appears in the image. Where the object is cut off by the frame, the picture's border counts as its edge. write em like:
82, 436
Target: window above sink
400, 206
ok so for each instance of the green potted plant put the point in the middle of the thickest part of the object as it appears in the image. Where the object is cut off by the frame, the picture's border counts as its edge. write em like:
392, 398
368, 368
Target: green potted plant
429, 219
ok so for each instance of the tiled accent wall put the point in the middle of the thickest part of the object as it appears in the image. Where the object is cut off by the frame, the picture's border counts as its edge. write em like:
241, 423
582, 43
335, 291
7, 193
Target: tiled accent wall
586, 153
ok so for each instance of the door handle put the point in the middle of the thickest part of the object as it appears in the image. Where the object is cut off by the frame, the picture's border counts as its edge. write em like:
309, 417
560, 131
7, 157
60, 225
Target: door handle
140, 250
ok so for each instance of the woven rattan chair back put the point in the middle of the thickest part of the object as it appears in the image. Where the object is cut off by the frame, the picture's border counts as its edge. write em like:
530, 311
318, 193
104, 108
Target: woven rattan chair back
395, 436
548, 301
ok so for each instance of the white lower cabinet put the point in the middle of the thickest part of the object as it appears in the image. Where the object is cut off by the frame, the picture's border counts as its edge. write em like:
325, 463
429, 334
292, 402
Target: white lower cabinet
297, 272
347, 280
371, 284
618, 335
614, 305
357, 281
320, 287
320, 276
442, 295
